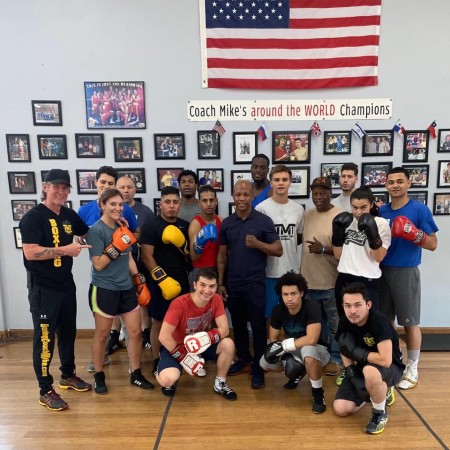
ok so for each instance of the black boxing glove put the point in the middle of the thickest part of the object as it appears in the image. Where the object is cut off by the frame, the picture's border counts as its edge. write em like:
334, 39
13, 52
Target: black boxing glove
369, 227
340, 223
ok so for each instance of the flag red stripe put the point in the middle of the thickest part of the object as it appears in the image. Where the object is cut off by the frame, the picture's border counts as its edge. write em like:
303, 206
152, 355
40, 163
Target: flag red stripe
332, 4
339, 22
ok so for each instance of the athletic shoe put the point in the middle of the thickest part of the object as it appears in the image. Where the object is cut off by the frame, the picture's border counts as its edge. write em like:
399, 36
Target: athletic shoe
90, 367
410, 377
224, 390
257, 378
155, 366
201, 372
53, 401
340, 377
390, 396
99, 383
75, 383
146, 339
113, 343
239, 367
292, 383
139, 380
332, 368
318, 406
377, 422
168, 391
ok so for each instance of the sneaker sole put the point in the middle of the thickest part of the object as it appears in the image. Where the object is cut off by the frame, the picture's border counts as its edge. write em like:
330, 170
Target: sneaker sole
374, 432
75, 389
54, 409
411, 384
101, 393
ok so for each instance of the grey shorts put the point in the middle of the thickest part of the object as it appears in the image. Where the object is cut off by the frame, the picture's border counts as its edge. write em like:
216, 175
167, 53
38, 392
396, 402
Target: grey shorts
400, 294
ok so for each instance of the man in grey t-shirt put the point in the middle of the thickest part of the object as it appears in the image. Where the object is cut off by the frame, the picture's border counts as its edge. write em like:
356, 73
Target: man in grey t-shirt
347, 181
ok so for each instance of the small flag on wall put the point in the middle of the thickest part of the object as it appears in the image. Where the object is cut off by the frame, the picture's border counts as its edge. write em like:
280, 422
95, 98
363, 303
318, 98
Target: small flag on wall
432, 129
398, 128
358, 130
219, 128
315, 128
262, 131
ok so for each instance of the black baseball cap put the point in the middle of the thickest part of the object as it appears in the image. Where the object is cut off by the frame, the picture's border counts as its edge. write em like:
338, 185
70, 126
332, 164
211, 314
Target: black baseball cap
57, 176
321, 182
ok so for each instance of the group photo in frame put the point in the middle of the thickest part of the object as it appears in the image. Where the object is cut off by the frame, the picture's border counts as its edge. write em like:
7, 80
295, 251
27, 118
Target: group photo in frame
337, 142
443, 178
128, 149
375, 174
169, 146
21, 207
332, 171
418, 175
213, 177
18, 147
299, 187
86, 181
420, 196
378, 143
208, 144
17, 237
137, 175
46, 113
291, 147
245, 146
415, 146
22, 182
52, 146
444, 141
115, 104
168, 176
238, 175
441, 204
90, 145
381, 198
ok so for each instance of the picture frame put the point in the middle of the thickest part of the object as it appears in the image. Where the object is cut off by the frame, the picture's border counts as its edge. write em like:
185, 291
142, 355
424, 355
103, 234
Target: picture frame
415, 146
157, 206
418, 175
444, 141
47, 113
86, 181
168, 176
245, 146
237, 175
69, 204
375, 174
300, 182
18, 147
43, 174
52, 146
381, 198
169, 146
441, 204
291, 147
137, 175
333, 172
213, 177
231, 208
21, 207
128, 149
378, 143
17, 237
420, 196
208, 144
90, 145
443, 178
337, 142
115, 104
22, 182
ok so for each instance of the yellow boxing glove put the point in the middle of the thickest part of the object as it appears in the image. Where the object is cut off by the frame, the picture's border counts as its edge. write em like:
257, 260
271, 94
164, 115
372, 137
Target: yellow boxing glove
173, 235
170, 288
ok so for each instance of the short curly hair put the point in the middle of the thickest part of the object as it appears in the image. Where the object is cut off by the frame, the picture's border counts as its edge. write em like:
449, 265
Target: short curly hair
291, 279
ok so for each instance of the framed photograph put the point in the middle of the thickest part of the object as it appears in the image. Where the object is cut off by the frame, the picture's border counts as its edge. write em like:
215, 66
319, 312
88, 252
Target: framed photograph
168, 176
18, 147
378, 143
22, 183
291, 147
208, 144
52, 146
375, 175
443, 174
337, 142
128, 149
441, 204
137, 175
245, 146
231, 208
69, 204
237, 175
381, 198
418, 175
213, 177
415, 146
43, 173
331, 171
21, 207
444, 141
420, 196
300, 182
17, 237
169, 146
86, 181
46, 113
156, 206
90, 145
115, 104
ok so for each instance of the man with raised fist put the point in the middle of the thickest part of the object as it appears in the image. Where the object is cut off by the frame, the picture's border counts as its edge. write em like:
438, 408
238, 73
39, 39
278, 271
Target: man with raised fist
186, 341
412, 229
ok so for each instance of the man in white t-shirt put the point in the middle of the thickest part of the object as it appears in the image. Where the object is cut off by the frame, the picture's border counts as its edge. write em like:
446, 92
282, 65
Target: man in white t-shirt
347, 181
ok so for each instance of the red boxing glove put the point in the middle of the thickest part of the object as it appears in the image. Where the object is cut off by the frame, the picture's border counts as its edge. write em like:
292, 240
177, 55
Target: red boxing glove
122, 239
191, 363
403, 228
142, 292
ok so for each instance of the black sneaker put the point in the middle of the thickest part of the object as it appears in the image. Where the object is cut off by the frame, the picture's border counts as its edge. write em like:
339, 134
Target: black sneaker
53, 401
139, 380
377, 422
99, 383
75, 383
225, 391
155, 366
146, 339
318, 406
257, 378
292, 383
239, 367
113, 343
168, 391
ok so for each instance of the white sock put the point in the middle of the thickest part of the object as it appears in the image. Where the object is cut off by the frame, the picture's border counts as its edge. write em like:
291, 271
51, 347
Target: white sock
379, 406
219, 380
316, 384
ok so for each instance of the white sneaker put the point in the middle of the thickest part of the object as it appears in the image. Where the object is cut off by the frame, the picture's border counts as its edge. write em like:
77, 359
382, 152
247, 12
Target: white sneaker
410, 376
201, 373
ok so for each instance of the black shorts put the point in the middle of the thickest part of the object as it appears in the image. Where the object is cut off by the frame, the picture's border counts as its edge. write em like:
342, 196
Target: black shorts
109, 303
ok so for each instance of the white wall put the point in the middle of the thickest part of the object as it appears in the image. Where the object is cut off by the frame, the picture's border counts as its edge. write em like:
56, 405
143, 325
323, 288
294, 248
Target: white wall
50, 47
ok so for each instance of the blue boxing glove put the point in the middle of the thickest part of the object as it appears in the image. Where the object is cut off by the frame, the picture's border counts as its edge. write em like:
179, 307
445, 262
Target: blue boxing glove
207, 234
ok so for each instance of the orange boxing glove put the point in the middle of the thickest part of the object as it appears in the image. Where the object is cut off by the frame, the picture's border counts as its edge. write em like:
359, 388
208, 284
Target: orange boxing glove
122, 239
142, 292
403, 228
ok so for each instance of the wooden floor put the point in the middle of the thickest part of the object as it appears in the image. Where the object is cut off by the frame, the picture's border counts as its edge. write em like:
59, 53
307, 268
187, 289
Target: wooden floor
129, 418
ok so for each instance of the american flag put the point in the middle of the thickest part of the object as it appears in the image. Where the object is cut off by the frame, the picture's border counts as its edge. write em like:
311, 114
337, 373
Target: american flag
289, 44
219, 128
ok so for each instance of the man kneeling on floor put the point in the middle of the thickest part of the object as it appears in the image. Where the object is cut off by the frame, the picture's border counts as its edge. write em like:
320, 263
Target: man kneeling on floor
371, 354
301, 321
186, 343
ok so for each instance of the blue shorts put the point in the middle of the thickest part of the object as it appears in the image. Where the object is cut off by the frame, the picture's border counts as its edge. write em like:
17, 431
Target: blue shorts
272, 297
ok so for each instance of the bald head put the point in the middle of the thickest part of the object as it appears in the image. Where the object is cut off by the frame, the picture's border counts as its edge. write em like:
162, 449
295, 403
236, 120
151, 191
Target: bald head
127, 188
242, 184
